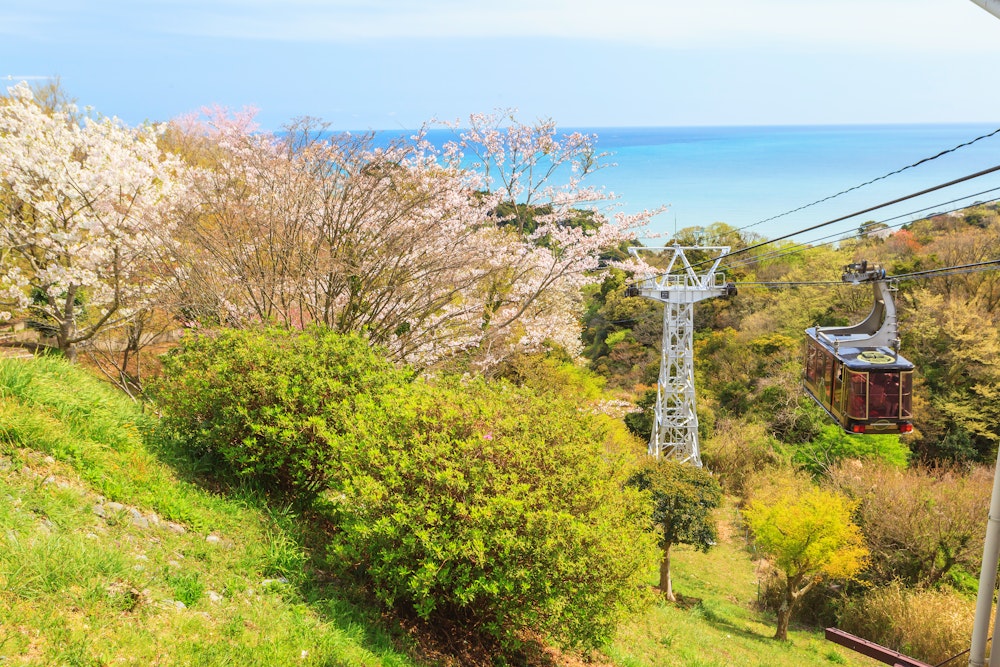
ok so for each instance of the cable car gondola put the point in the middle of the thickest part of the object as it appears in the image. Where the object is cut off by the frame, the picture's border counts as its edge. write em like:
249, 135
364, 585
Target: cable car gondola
856, 373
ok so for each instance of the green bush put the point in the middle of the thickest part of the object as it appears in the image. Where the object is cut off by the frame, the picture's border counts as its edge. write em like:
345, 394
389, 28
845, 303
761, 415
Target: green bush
275, 405
833, 445
640, 423
552, 371
496, 508
737, 451
488, 505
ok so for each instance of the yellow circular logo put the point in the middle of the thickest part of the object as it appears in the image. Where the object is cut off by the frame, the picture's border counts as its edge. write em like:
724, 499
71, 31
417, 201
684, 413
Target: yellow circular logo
876, 357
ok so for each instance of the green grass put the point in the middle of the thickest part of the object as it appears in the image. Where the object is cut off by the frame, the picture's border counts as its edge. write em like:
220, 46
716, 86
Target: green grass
716, 625
81, 589
77, 588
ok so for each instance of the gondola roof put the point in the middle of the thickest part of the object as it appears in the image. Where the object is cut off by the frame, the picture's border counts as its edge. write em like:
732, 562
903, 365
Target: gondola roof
859, 358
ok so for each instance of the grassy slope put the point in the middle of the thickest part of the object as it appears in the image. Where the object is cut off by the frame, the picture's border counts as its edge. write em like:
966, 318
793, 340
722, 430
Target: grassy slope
77, 588
80, 589
716, 625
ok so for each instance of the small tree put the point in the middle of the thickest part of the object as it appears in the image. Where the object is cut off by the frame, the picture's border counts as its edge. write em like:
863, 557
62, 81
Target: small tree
809, 533
683, 499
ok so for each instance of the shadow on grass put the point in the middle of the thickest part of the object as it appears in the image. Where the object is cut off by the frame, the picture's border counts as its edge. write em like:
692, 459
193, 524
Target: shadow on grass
705, 612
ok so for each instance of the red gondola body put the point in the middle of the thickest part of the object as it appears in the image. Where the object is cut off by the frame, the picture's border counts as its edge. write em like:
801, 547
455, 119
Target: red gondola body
866, 390
856, 373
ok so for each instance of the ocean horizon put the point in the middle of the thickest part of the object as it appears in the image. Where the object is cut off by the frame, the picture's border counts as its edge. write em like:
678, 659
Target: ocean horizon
746, 175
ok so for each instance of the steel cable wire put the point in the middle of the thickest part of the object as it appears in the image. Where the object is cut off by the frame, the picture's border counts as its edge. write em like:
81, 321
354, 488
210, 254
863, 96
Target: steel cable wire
874, 180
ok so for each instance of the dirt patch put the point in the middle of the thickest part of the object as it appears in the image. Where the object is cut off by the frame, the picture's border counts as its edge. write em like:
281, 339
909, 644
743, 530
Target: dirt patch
729, 524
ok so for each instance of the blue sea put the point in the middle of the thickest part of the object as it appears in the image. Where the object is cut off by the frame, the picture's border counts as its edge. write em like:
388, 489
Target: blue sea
745, 175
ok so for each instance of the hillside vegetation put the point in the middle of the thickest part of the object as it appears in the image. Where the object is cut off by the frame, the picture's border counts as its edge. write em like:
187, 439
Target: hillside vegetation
918, 500
117, 553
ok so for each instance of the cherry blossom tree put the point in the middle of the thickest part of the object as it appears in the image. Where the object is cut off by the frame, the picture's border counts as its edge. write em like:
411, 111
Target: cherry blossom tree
434, 255
531, 168
400, 240
85, 221
563, 225
306, 227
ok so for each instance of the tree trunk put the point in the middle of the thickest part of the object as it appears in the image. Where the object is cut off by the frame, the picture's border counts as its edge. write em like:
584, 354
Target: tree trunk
63, 340
67, 325
784, 616
665, 583
793, 592
788, 599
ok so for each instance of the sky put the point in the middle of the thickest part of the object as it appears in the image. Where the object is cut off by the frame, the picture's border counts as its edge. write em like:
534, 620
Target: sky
395, 64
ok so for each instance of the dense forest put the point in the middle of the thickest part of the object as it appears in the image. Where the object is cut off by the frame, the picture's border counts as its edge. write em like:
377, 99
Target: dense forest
430, 352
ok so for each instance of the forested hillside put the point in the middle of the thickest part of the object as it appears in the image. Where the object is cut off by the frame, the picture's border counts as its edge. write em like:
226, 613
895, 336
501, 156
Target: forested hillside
919, 499
749, 346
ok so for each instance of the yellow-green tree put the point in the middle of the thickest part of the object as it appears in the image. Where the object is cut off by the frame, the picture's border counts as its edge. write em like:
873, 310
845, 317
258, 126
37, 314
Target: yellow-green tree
809, 533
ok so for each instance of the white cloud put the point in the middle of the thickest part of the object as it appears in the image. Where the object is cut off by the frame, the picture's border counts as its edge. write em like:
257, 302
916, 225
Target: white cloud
919, 25
876, 24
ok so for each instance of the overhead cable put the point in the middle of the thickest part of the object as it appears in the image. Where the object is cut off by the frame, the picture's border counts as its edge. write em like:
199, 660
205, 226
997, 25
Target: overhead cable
925, 191
948, 270
778, 283
988, 265
874, 180
808, 245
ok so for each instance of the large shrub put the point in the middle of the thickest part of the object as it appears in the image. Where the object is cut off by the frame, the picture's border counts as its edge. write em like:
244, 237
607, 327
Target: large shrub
486, 505
493, 507
274, 404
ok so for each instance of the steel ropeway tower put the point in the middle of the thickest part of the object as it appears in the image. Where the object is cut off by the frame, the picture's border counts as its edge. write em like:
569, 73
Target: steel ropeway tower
678, 288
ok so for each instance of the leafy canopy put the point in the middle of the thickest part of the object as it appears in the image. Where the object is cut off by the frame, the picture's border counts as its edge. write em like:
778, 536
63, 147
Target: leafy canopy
274, 405
683, 499
809, 532
491, 504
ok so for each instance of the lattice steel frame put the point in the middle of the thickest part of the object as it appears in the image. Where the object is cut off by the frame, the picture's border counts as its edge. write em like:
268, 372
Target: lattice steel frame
675, 423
